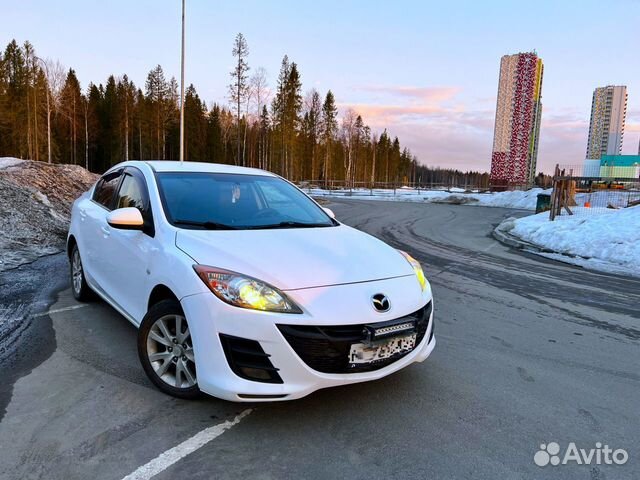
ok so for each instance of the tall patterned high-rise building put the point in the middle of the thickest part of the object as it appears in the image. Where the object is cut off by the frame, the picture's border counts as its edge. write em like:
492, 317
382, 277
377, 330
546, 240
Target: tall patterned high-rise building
606, 128
518, 110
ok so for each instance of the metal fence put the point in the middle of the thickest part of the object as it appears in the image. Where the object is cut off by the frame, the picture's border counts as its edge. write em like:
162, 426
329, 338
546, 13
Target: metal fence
360, 188
360, 185
335, 188
575, 193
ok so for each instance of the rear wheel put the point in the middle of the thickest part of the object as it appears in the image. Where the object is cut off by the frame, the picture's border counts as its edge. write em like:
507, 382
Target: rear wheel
166, 350
79, 287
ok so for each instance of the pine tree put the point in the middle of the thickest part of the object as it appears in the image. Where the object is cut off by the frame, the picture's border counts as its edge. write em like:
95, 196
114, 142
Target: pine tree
15, 104
265, 127
313, 118
214, 136
93, 103
278, 109
157, 94
195, 126
292, 109
71, 108
329, 128
126, 93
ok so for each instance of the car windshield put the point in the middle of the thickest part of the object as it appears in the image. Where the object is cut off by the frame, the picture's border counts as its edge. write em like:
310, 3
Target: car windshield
223, 201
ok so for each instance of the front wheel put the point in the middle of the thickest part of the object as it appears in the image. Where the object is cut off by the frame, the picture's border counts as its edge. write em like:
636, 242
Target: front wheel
166, 350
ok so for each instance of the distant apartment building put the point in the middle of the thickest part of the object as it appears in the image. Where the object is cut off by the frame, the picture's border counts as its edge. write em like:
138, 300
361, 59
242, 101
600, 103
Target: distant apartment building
517, 127
606, 128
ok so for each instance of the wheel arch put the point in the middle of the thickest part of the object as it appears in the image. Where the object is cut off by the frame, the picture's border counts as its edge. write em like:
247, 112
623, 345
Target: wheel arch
160, 292
71, 242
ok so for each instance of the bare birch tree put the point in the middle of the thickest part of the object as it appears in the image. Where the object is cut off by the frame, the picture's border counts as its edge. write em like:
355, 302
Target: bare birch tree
238, 87
259, 94
349, 134
55, 75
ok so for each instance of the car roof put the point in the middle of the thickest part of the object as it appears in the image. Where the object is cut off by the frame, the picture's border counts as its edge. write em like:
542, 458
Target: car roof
204, 167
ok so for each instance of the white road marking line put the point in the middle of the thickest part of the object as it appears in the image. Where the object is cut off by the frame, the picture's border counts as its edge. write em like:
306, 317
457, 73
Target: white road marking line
58, 310
171, 456
490, 247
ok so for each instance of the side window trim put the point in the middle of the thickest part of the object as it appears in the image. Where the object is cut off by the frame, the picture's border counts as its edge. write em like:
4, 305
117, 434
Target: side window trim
137, 174
114, 197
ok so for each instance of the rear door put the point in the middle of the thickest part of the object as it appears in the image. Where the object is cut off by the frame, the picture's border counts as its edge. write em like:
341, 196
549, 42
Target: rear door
93, 215
130, 251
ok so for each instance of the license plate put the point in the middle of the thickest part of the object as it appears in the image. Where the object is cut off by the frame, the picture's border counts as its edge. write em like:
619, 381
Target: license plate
366, 353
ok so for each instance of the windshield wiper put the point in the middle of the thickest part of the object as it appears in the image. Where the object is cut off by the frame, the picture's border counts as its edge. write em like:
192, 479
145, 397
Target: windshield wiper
205, 225
289, 224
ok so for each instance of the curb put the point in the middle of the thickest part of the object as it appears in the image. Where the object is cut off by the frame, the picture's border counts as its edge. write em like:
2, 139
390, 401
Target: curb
501, 233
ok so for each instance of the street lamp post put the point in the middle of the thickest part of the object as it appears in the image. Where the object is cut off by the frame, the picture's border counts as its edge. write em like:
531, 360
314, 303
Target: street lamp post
182, 91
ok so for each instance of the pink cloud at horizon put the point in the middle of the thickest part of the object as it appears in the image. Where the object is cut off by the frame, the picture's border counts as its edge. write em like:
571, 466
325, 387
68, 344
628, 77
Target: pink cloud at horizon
443, 131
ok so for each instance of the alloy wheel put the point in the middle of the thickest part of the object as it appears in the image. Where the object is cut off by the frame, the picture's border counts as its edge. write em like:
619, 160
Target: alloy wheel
170, 351
76, 272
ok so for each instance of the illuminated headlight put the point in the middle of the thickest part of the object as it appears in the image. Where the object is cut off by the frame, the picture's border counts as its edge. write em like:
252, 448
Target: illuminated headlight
245, 292
417, 268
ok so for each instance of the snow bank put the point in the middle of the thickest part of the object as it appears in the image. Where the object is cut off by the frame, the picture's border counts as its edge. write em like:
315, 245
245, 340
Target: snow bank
6, 162
35, 204
607, 241
512, 199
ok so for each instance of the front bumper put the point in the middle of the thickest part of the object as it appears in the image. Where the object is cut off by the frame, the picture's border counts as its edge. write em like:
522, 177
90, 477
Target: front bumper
209, 317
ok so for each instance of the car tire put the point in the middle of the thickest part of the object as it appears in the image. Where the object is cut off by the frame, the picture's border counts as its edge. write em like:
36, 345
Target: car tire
79, 286
166, 351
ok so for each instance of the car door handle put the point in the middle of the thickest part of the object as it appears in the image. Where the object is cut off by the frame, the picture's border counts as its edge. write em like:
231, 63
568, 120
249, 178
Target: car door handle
105, 231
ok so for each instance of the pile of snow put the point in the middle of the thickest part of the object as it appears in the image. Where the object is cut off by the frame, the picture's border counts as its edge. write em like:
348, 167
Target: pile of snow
35, 205
6, 162
606, 241
523, 199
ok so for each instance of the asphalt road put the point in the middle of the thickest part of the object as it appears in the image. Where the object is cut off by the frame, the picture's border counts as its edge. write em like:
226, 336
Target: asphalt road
529, 351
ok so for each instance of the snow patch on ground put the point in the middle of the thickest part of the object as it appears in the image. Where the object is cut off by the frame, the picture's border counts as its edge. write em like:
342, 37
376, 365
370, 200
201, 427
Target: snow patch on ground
513, 199
42, 198
607, 241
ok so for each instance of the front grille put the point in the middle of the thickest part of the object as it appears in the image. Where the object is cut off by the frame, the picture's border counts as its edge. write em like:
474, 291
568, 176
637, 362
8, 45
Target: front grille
248, 360
326, 348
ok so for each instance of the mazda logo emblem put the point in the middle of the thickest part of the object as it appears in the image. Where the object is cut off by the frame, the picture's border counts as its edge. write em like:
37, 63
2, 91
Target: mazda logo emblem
380, 302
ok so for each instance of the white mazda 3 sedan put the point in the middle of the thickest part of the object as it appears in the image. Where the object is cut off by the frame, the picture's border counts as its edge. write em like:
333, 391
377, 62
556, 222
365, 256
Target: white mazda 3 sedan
242, 286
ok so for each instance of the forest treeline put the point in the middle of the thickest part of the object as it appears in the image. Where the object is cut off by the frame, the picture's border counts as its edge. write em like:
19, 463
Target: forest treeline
46, 115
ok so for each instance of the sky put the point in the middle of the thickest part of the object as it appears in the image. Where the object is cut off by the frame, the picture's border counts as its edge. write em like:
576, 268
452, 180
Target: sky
426, 71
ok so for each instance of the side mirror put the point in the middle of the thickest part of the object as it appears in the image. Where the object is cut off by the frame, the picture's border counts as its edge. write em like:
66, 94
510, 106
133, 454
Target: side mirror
329, 212
128, 218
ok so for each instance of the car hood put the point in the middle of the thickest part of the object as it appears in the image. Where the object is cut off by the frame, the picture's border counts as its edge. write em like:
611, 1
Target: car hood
296, 258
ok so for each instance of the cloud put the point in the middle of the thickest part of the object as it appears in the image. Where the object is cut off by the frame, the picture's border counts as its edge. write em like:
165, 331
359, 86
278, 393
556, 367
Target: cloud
379, 114
633, 121
442, 129
425, 94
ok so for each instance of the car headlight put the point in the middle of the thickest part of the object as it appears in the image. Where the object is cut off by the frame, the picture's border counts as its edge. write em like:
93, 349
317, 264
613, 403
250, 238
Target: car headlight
245, 292
417, 268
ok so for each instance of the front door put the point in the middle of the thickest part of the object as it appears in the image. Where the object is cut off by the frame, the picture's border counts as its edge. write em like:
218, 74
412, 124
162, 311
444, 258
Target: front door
93, 216
130, 251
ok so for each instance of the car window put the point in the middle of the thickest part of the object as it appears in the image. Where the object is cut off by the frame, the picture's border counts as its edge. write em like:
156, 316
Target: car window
281, 199
103, 193
133, 193
219, 200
